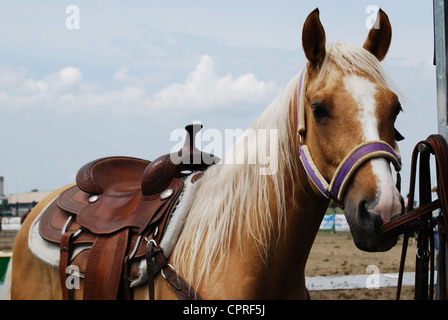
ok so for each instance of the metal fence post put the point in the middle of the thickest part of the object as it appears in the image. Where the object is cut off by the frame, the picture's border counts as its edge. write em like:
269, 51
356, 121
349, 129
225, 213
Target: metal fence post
440, 57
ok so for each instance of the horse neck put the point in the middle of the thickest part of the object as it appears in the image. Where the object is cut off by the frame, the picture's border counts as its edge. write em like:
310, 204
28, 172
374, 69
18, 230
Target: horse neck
247, 273
275, 269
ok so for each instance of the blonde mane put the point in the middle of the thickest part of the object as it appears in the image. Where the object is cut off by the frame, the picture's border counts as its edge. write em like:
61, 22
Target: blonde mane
235, 200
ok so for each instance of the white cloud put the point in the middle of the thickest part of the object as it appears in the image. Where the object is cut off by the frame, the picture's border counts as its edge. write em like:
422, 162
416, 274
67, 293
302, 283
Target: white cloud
66, 90
18, 92
205, 89
123, 75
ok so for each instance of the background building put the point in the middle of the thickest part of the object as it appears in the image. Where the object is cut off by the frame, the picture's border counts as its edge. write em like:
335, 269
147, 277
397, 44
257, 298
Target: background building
2, 193
16, 204
20, 203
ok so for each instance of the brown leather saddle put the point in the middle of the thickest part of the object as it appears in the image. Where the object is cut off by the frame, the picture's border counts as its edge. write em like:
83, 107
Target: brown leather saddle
119, 209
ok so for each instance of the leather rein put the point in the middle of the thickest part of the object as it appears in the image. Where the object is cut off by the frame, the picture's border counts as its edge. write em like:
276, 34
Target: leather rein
335, 189
421, 220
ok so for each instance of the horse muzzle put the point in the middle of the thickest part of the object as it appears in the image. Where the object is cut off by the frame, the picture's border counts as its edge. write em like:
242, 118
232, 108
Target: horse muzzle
366, 214
365, 226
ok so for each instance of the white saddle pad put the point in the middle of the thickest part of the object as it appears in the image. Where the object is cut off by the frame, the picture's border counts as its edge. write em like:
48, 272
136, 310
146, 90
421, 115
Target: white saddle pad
49, 252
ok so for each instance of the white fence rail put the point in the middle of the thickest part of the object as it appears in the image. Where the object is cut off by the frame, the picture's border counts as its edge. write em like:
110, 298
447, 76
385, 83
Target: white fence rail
365, 281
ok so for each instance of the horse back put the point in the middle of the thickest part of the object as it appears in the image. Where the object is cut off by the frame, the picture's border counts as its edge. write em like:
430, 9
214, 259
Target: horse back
32, 278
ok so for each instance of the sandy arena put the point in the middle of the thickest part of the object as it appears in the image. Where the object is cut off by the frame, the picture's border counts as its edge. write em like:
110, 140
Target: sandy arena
337, 255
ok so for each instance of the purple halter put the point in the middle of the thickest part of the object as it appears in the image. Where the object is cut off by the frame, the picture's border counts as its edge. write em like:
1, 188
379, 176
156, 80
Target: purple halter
353, 160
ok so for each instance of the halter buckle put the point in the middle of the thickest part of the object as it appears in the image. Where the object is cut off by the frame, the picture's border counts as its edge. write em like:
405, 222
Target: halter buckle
335, 199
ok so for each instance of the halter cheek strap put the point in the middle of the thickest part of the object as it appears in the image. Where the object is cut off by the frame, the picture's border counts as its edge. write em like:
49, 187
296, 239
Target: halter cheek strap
350, 164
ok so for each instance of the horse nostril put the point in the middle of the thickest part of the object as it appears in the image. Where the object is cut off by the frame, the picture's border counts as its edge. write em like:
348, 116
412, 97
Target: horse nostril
368, 219
363, 212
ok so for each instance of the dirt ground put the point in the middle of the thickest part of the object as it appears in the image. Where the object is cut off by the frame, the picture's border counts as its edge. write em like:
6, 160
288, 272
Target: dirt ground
337, 255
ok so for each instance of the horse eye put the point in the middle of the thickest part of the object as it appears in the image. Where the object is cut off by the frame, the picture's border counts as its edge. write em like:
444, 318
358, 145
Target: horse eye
319, 111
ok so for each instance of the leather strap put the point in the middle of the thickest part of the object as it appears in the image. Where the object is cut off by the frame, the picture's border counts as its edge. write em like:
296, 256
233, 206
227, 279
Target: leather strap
402, 261
151, 249
408, 222
181, 287
64, 262
104, 268
442, 258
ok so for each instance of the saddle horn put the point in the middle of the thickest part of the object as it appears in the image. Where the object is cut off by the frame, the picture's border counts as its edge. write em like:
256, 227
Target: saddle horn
189, 153
159, 173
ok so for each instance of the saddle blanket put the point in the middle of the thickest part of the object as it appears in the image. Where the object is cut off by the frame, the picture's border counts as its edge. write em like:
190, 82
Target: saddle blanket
49, 252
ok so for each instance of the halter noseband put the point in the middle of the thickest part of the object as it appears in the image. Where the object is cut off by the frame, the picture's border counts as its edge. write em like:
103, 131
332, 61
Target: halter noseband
360, 154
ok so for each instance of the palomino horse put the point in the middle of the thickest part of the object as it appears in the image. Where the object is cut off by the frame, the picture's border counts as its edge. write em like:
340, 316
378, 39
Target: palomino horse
249, 232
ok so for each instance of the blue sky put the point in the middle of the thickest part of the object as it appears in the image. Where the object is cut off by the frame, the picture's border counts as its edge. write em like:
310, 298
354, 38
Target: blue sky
134, 71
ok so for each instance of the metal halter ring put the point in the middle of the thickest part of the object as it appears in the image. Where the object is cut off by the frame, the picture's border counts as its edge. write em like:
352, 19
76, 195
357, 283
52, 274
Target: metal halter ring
151, 241
425, 253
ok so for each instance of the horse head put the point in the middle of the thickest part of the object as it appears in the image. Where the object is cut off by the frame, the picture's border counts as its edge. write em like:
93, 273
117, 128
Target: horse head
346, 129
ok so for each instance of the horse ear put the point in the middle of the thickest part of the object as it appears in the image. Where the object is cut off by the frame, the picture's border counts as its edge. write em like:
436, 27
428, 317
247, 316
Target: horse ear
313, 38
379, 37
